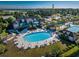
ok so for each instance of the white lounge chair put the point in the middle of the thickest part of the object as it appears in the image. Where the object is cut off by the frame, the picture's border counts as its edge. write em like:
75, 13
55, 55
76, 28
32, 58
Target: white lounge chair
32, 46
48, 43
15, 42
25, 47
19, 46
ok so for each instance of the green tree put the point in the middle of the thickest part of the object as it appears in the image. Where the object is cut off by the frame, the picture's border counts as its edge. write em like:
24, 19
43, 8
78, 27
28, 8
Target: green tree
55, 50
37, 16
10, 20
2, 49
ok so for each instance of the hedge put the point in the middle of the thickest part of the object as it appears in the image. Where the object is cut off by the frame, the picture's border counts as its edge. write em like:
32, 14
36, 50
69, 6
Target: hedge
70, 52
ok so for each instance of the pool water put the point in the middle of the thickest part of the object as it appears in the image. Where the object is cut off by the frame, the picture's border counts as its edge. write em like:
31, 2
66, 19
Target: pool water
37, 36
74, 28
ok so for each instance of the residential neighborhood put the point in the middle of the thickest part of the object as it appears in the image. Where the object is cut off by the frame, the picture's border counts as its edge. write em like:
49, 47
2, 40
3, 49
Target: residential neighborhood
37, 32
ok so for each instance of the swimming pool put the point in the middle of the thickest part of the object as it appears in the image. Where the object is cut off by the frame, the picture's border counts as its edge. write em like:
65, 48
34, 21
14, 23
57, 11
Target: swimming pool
37, 36
74, 28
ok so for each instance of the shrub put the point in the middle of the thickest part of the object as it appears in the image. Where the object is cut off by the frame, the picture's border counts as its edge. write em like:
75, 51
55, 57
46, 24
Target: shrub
72, 45
58, 48
2, 48
63, 37
69, 46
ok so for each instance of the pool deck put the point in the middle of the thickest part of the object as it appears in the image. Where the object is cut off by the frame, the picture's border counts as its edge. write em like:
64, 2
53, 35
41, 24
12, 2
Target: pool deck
25, 45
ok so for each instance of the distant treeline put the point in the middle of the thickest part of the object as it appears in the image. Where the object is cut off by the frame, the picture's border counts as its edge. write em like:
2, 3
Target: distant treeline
44, 12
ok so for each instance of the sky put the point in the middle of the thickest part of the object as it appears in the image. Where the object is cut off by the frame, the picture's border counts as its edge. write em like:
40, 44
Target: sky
39, 4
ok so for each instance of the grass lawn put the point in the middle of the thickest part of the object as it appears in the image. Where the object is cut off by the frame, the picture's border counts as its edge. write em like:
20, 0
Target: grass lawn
3, 34
71, 52
15, 52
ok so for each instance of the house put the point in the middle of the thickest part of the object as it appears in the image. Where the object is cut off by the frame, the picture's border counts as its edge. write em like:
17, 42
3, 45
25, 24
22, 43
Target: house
29, 20
16, 24
56, 16
72, 33
48, 19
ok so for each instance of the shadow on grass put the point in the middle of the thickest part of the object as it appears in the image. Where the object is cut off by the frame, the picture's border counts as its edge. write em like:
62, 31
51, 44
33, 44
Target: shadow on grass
67, 42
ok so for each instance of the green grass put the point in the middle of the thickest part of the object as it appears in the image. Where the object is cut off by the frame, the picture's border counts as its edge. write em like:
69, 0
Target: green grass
3, 34
63, 45
71, 52
2, 48
36, 52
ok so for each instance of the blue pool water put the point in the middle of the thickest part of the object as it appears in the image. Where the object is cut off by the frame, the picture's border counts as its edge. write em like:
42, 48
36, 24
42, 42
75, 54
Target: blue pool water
37, 36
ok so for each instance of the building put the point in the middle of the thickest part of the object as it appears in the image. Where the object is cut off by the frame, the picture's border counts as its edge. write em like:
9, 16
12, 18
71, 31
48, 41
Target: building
52, 6
56, 16
72, 33
48, 19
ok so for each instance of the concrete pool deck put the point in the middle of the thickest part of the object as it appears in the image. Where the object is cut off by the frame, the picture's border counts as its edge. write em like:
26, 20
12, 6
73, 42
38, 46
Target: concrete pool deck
25, 44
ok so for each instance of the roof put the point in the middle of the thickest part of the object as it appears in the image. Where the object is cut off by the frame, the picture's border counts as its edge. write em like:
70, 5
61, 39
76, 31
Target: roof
74, 28
6, 17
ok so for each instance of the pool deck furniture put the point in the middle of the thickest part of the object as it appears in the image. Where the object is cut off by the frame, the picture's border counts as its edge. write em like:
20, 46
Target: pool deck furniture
25, 45
9, 37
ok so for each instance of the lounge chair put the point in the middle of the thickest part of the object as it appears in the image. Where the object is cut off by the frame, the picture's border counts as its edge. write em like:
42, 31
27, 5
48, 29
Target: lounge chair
25, 47
19, 47
15, 42
48, 43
